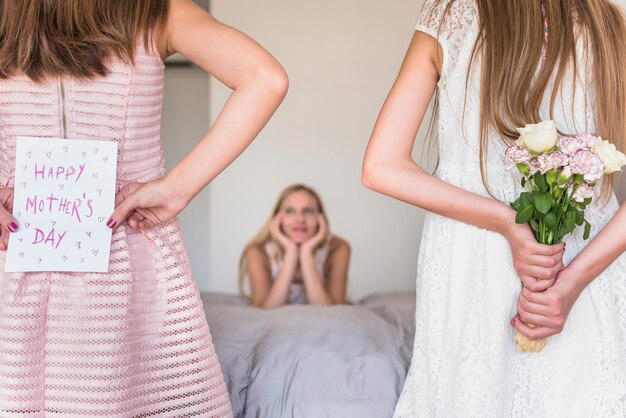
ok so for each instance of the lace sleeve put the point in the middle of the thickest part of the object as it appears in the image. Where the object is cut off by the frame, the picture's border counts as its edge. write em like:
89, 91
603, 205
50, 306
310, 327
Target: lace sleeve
449, 22
430, 20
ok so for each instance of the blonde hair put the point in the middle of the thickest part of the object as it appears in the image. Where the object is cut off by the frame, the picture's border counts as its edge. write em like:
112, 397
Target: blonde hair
73, 38
264, 236
510, 42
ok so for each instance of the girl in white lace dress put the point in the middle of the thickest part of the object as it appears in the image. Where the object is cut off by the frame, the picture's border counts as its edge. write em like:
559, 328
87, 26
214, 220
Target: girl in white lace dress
497, 65
294, 259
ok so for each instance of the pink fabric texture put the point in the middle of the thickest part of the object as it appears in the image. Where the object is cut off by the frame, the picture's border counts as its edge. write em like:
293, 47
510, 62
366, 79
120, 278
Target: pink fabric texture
130, 343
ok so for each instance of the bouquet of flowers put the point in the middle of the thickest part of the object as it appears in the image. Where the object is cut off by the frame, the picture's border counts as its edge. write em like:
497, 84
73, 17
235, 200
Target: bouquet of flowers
560, 177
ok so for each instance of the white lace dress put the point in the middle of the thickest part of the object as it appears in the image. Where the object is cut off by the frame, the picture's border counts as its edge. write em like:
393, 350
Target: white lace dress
464, 362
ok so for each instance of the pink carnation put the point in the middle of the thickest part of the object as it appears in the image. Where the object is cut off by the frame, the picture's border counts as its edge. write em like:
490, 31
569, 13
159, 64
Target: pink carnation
547, 162
588, 139
516, 154
533, 166
588, 164
583, 192
571, 145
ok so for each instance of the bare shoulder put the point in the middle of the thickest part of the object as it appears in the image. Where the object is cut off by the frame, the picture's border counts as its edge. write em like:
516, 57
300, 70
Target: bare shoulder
181, 14
256, 254
338, 245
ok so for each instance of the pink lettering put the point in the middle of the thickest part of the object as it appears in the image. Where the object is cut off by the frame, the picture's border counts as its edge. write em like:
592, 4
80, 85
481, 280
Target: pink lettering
75, 207
31, 204
40, 172
51, 199
39, 236
90, 206
81, 167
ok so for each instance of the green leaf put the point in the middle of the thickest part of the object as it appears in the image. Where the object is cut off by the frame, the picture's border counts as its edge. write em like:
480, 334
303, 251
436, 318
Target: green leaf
580, 218
551, 176
570, 221
527, 196
579, 179
550, 220
525, 213
587, 200
534, 225
540, 181
560, 233
516, 204
587, 230
523, 181
523, 168
543, 203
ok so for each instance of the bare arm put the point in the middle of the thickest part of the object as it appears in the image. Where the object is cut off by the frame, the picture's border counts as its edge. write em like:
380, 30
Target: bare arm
268, 293
337, 276
602, 251
259, 85
388, 167
258, 81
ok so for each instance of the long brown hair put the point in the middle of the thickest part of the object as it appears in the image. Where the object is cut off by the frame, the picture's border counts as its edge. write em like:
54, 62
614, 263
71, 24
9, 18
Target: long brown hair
264, 235
513, 80
74, 38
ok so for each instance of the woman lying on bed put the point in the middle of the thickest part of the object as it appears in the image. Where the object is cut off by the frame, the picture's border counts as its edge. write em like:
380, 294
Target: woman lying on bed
294, 258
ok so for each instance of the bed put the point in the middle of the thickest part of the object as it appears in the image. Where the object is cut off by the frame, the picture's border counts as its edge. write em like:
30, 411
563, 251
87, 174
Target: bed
306, 361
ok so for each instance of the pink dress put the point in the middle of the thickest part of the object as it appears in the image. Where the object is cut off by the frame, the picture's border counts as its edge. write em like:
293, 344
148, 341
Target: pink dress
130, 343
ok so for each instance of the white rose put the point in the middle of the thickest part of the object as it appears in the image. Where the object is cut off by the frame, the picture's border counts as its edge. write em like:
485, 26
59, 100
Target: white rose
539, 137
613, 159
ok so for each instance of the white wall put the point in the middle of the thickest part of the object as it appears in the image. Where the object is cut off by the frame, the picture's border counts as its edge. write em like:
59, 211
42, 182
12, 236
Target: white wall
185, 121
341, 57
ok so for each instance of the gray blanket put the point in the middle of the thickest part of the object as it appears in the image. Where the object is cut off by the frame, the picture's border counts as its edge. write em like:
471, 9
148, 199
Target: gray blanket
313, 362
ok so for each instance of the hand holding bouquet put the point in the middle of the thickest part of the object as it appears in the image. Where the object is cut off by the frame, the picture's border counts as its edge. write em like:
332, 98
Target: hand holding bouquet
560, 176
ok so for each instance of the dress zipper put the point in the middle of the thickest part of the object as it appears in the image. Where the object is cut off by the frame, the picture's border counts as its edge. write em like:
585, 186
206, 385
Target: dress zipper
63, 108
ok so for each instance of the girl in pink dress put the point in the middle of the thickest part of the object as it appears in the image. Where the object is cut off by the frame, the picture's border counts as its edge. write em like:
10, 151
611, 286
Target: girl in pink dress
133, 342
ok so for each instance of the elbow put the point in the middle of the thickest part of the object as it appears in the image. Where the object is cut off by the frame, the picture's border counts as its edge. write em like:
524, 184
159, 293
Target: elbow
275, 79
370, 175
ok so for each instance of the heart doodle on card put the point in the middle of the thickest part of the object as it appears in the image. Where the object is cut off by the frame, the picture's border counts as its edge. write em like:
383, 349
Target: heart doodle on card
48, 154
95, 252
82, 259
95, 175
21, 253
65, 149
27, 225
99, 191
23, 185
61, 186
100, 218
105, 159
29, 153
20, 239
84, 153
88, 234
78, 244
64, 258
25, 167
54, 223
95, 150
39, 260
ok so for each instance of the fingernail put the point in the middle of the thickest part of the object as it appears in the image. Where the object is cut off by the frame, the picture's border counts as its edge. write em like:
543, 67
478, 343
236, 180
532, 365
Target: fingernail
111, 223
12, 227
